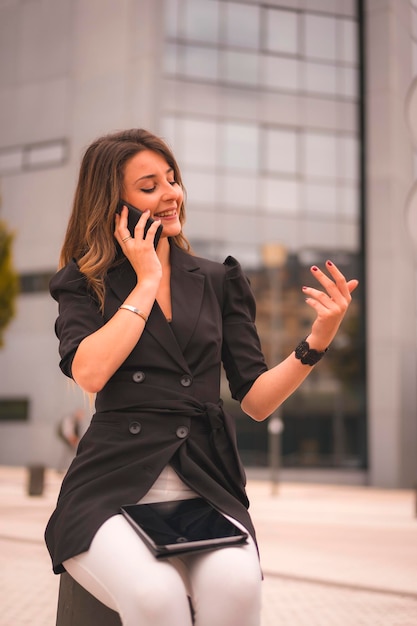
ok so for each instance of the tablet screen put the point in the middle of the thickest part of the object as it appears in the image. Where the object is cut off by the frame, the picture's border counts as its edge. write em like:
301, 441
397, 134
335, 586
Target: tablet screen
182, 522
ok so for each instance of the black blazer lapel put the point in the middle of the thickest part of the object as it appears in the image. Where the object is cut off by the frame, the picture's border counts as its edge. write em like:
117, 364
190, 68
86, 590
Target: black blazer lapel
121, 280
187, 290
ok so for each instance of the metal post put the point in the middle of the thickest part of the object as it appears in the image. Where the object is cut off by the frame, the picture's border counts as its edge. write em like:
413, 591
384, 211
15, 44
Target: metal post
275, 427
36, 480
275, 257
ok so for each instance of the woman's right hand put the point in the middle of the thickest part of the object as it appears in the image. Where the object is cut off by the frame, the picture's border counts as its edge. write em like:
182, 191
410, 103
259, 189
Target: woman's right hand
138, 250
100, 354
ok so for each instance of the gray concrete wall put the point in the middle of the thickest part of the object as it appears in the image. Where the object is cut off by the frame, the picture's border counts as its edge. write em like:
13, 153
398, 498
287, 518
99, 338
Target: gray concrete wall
390, 272
68, 70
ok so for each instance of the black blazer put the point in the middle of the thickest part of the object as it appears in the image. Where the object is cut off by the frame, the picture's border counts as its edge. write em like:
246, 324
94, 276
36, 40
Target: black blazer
163, 405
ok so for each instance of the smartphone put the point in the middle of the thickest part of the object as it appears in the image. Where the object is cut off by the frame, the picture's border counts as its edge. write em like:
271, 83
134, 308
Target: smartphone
170, 528
133, 218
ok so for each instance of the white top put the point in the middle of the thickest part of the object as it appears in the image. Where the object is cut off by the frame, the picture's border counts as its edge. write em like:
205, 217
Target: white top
168, 486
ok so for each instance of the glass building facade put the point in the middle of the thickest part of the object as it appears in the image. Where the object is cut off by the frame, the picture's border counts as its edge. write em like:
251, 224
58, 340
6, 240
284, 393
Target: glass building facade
262, 106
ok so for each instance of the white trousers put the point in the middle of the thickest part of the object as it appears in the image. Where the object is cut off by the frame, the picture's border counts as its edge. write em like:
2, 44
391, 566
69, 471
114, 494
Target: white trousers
119, 570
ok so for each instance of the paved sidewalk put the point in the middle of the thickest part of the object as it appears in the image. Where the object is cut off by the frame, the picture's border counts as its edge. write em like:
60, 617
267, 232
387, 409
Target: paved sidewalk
332, 555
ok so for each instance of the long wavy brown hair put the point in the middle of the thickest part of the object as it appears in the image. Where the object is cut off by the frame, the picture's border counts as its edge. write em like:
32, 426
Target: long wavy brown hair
89, 238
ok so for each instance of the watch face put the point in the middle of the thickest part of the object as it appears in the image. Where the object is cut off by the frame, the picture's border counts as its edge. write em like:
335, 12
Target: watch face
307, 355
302, 349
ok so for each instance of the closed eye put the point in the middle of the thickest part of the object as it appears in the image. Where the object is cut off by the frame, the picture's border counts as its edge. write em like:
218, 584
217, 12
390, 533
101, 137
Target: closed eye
170, 182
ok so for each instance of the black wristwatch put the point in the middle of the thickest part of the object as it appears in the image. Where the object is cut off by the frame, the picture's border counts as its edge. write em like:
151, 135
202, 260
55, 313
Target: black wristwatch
307, 355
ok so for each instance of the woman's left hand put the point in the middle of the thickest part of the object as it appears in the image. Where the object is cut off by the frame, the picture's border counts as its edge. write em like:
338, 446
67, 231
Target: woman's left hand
330, 305
276, 384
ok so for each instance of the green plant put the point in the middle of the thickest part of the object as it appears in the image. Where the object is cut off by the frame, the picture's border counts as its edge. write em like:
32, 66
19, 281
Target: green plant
9, 282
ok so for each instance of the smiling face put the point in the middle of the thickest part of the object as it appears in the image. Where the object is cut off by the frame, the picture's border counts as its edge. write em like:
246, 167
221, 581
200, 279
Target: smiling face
149, 184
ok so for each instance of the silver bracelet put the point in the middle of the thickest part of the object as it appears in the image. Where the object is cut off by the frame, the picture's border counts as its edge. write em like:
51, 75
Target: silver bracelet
129, 307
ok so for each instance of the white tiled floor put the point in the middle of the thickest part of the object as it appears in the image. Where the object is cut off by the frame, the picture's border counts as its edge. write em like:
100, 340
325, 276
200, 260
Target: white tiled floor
332, 556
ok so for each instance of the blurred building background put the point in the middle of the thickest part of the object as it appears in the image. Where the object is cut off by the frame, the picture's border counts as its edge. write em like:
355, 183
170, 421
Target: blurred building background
292, 121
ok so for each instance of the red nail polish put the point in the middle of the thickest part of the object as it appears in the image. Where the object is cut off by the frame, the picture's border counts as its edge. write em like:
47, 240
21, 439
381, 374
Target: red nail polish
314, 268
329, 263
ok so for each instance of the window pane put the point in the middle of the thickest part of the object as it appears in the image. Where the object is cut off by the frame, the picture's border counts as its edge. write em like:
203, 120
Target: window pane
349, 201
279, 196
202, 20
320, 37
240, 146
320, 78
242, 25
15, 409
349, 152
240, 67
48, 154
201, 187
281, 31
199, 143
171, 18
170, 59
199, 62
240, 191
280, 73
320, 199
349, 44
168, 132
281, 151
320, 155
348, 82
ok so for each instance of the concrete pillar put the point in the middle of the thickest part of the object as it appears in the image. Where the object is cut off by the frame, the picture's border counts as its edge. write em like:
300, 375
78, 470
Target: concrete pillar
117, 48
390, 271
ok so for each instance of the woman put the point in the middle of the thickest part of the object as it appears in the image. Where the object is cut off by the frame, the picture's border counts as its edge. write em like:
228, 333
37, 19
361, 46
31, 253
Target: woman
147, 331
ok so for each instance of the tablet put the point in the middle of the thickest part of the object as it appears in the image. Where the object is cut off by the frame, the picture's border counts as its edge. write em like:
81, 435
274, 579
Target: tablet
175, 527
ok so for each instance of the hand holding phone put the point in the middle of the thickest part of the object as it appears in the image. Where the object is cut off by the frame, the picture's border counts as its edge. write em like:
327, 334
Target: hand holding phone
133, 218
